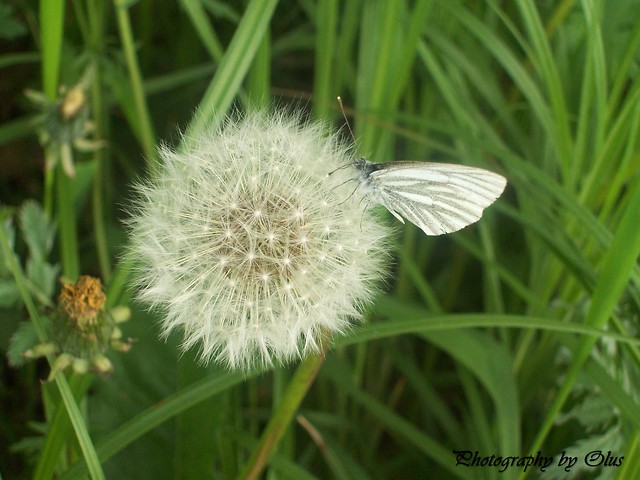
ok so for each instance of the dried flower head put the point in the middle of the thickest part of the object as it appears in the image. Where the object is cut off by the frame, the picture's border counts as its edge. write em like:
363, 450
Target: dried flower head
250, 248
65, 123
83, 330
82, 301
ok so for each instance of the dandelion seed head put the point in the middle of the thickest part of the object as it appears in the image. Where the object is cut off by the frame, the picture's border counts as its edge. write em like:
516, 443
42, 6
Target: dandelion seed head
248, 248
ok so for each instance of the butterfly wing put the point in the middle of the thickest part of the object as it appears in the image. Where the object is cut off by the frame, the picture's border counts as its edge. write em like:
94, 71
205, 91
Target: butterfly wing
437, 197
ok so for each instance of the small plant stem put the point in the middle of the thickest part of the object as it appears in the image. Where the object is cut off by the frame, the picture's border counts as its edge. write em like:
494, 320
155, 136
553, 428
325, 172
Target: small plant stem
67, 224
95, 16
281, 419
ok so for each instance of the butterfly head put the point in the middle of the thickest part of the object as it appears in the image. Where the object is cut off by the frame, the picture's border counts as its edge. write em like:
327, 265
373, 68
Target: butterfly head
365, 167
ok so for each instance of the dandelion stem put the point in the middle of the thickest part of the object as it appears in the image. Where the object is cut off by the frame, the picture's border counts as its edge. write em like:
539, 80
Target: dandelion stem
282, 417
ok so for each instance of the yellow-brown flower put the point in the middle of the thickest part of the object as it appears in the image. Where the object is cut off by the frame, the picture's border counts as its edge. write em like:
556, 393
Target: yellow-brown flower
82, 301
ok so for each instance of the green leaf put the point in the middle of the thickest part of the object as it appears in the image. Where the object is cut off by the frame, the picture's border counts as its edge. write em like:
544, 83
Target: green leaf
43, 276
37, 230
23, 339
9, 294
10, 233
10, 28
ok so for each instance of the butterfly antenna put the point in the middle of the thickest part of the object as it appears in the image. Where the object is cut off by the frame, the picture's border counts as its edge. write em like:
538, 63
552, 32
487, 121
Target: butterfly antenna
346, 121
339, 168
344, 115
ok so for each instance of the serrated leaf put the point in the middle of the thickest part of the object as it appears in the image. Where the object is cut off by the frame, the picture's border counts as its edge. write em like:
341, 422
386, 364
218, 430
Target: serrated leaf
42, 275
9, 294
23, 339
37, 229
594, 412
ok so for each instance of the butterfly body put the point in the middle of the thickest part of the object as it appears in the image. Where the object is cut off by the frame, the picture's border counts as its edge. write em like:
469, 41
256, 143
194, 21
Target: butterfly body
439, 198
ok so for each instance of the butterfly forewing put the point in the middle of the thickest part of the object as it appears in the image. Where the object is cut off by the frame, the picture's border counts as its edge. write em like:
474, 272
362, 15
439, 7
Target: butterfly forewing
437, 197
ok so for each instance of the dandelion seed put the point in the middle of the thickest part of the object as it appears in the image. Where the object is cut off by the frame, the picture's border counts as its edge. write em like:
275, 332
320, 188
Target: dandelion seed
249, 249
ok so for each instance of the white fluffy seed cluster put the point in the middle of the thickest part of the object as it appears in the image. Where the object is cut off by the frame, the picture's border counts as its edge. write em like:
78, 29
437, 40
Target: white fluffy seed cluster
249, 248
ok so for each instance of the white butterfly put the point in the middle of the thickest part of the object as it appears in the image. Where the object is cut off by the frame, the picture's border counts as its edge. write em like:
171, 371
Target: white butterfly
437, 197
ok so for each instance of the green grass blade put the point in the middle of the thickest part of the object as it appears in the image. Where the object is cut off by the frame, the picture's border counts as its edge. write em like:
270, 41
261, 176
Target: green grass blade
158, 414
234, 66
546, 67
199, 20
617, 268
58, 431
410, 322
611, 389
394, 424
324, 84
143, 118
259, 78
